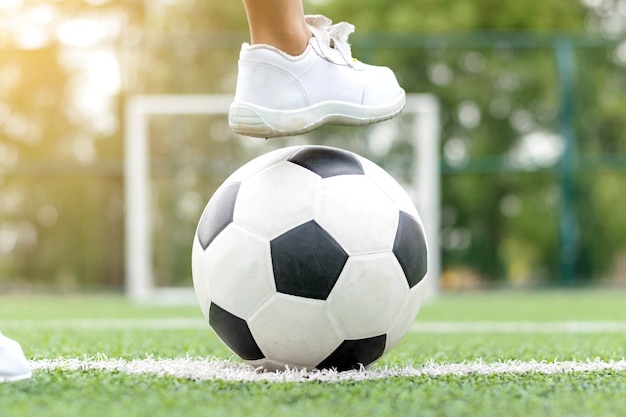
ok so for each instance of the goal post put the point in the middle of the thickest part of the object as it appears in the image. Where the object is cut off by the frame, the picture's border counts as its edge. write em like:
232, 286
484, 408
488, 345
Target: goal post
426, 193
139, 274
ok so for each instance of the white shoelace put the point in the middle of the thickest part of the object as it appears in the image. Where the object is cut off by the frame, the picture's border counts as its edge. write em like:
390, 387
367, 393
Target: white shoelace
333, 39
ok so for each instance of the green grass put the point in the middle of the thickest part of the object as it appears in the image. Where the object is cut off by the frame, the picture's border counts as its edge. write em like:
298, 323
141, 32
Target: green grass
98, 393
95, 393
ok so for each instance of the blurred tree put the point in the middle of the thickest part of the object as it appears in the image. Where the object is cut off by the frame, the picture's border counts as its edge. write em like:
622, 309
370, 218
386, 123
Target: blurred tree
490, 63
501, 97
433, 16
60, 151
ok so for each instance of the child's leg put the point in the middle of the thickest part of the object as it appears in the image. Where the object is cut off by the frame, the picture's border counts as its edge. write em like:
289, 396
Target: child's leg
279, 23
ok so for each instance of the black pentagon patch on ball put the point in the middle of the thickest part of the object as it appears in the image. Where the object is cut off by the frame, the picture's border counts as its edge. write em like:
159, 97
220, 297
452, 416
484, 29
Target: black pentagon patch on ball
352, 354
218, 213
235, 333
307, 261
410, 249
327, 162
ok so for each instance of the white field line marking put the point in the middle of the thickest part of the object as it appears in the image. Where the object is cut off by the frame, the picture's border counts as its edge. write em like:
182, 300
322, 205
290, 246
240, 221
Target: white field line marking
520, 327
109, 324
418, 326
217, 369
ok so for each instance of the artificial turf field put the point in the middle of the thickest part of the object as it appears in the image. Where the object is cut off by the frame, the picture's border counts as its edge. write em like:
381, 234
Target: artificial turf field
549, 353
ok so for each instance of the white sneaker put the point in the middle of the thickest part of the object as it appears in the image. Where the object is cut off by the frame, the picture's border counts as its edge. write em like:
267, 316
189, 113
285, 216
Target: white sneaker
280, 95
13, 364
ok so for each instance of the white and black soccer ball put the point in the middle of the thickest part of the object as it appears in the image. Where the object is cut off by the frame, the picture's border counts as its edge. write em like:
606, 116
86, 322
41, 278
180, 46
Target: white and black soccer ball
310, 257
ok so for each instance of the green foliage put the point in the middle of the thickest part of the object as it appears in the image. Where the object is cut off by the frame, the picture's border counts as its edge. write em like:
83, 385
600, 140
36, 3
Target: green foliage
432, 16
492, 65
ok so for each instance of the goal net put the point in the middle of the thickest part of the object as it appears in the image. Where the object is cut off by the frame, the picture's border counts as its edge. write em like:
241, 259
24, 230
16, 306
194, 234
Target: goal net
156, 131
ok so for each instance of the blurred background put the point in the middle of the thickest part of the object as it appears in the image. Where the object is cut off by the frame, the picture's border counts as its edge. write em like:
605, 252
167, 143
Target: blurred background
533, 132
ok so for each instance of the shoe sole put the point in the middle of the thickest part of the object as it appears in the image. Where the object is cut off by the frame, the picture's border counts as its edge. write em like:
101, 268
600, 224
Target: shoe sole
15, 378
251, 120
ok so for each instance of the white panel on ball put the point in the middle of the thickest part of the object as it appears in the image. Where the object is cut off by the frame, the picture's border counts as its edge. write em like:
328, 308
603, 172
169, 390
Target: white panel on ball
270, 211
408, 315
238, 268
298, 331
358, 214
390, 186
376, 281
260, 163
203, 291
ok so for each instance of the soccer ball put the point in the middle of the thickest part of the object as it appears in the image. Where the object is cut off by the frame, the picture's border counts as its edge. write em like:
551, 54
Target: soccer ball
309, 257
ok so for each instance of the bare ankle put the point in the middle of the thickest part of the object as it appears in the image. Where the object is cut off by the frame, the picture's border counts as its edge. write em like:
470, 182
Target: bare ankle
292, 41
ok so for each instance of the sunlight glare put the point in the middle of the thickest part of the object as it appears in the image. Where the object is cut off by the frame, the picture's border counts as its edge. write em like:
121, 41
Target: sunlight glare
10, 4
104, 73
81, 32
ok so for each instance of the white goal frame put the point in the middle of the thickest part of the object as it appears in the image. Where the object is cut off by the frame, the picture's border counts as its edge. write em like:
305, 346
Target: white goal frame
139, 278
